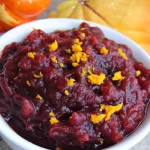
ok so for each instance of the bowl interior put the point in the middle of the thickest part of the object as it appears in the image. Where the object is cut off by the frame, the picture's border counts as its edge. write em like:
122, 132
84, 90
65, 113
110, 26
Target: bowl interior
50, 25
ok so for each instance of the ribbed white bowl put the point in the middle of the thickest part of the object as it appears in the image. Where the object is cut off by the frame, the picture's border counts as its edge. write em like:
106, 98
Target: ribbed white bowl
49, 25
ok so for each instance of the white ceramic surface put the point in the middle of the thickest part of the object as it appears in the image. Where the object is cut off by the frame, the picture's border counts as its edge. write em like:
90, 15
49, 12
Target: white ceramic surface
49, 25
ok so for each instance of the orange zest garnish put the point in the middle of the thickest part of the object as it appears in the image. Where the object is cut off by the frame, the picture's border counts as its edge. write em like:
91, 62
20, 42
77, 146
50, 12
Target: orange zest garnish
51, 114
66, 92
31, 54
38, 76
104, 51
83, 35
122, 54
138, 73
28, 83
97, 118
61, 65
75, 64
83, 72
53, 59
39, 97
76, 48
117, 76
53, 47
70, 82
68, 51
96, 79
109, 110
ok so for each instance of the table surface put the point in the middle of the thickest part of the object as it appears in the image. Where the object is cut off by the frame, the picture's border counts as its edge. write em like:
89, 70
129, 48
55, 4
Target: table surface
143, 145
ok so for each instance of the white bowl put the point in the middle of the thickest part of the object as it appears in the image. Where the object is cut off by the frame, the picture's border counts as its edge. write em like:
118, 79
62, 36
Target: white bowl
49, 25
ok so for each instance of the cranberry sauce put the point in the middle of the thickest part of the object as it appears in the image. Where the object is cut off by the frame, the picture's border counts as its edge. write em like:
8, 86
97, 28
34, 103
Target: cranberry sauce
72, 89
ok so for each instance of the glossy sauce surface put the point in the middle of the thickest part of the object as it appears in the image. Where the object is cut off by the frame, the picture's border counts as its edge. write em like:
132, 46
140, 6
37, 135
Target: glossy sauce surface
32, 85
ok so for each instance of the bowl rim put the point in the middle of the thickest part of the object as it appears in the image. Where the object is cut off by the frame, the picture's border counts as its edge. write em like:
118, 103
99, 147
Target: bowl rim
23, 143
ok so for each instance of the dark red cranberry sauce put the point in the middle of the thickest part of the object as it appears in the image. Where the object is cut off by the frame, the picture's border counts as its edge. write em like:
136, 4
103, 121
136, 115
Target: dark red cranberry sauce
56, 89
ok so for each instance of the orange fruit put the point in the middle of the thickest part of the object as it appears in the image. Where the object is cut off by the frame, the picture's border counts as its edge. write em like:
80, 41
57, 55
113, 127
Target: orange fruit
16, 12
